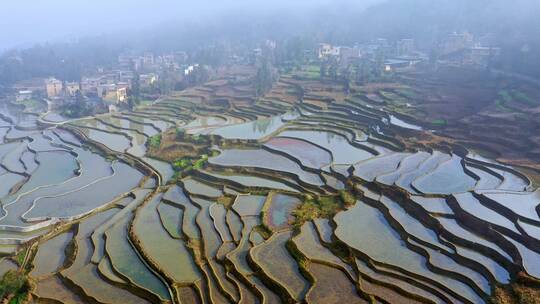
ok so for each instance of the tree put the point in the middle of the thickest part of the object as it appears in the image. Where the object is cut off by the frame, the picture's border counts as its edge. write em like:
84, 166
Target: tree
323, 69
264, 78
362, 71
135, 92
333, 70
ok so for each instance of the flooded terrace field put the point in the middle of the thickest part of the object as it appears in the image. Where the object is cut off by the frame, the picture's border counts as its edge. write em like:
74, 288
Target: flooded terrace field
276, 202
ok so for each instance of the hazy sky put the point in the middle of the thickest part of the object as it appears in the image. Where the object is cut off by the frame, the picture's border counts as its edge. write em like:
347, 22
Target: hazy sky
24, 22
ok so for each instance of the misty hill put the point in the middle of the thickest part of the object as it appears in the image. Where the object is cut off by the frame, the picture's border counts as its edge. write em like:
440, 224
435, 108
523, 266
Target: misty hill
514, 25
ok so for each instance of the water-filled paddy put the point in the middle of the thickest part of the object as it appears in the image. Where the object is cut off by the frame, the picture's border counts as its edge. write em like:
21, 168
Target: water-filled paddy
332, 287
342, 150
89, 198
366, 230
278, 211
128, 263
448, 178
251, 130
172, 255
264, 160
308, 154
252, 181
50, 256
116, 142
277, 263
427, 224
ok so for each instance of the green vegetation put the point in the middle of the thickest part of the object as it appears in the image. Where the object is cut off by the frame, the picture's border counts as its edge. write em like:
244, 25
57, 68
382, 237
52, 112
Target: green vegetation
14, 286
31, 104
185, 165
21, 256
264, 78
524, 98
146, 102
198, 139
505, 95
226, 201
263, 231
80, 107
311, 71
347, 198
439, 122
323, 207
155, 141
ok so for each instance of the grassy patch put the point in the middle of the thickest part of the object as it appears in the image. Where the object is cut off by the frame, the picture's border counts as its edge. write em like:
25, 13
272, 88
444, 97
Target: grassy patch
500, 104
146, 102
524, 98
226, 201
263, 231
309, 72
189, 163
347, 198
14, 285
185, 165
31, 104
439, 122
505, 95
323, 207
21, 255
154, 142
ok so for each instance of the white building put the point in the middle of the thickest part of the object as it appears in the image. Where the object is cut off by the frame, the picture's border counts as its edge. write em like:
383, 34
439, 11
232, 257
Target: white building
24, 95
326, 50
147, 80
190, 69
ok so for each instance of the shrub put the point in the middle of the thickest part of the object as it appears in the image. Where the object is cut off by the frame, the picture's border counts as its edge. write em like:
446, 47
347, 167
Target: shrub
14, 283
324, 207
155, 141
347, 198
185, 164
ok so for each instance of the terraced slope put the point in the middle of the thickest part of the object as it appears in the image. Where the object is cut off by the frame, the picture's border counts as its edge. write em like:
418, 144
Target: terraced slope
295, 202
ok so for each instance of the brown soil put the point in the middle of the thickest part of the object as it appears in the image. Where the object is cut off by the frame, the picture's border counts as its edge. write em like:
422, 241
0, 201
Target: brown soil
470, 102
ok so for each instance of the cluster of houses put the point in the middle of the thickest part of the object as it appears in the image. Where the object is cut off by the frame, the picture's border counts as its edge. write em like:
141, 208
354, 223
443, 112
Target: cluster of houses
149, 62
401, 54
111, 87
461, 48
466, 49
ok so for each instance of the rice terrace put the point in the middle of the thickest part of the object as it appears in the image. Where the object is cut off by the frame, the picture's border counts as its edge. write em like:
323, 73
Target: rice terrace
291, 159
309, 193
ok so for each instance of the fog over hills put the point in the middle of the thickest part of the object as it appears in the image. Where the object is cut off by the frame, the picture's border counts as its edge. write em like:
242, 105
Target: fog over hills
40, 21
100, 30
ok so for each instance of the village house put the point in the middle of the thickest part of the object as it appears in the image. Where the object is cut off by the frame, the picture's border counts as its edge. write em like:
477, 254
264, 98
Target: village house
72, 88
89, 85
112, 93
24, 95
54, 87
326, 50
147, 80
